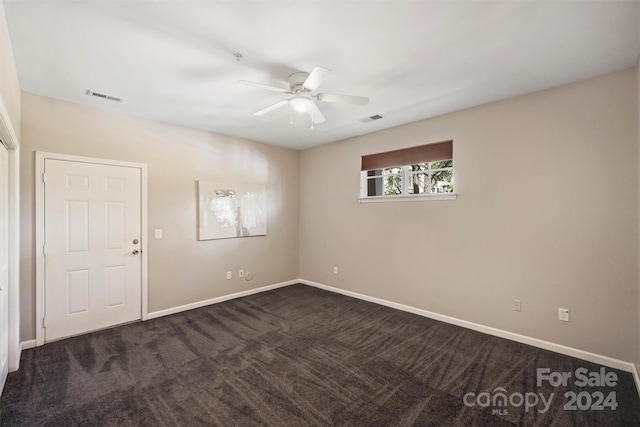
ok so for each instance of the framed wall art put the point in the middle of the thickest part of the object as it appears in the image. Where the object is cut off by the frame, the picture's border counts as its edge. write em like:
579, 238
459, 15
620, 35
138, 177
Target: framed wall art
231, 210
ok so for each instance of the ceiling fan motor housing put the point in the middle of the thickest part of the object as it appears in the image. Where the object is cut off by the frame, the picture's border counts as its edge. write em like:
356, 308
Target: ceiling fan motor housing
296, 80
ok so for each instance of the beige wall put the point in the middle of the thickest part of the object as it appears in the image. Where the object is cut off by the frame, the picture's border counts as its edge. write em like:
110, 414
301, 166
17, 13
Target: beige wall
547, 213
9, 87
182, 270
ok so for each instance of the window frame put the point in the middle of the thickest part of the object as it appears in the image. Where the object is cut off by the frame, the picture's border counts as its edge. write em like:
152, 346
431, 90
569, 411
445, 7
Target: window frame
405, 176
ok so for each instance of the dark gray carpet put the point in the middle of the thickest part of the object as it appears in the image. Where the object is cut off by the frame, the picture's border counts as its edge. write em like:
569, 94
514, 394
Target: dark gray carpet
295, 356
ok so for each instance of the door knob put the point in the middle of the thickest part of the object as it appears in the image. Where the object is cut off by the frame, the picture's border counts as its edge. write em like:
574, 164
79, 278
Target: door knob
136, 252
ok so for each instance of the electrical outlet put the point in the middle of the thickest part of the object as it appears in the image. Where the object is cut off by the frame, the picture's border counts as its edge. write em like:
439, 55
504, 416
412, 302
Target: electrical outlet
158, 233
563, 314
335, 270
240, 273
229, 275
517, 305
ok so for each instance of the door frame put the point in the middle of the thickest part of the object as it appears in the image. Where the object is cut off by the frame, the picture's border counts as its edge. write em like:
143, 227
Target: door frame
39, 248
9, 136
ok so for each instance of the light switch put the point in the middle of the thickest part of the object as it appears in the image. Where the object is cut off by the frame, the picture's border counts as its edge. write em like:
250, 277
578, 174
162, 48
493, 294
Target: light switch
158, 233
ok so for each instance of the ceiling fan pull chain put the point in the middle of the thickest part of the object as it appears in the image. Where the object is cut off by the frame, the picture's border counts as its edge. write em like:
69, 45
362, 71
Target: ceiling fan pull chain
290, 115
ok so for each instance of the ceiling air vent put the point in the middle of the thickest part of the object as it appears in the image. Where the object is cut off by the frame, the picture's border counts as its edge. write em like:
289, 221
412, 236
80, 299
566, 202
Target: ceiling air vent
104, 96
372, 118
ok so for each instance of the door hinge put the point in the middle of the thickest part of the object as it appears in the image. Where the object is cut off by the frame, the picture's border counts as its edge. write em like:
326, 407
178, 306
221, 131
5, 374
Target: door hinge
44, 322
44, 249
44, 177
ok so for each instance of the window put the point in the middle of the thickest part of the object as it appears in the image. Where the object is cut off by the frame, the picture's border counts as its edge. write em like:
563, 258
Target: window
426, 170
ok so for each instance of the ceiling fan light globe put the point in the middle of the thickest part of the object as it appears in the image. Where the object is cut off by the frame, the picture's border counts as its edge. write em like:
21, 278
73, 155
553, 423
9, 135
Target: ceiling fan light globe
300, 104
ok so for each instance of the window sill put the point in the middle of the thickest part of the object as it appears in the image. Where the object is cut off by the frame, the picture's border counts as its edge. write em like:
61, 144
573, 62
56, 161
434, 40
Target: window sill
435, 197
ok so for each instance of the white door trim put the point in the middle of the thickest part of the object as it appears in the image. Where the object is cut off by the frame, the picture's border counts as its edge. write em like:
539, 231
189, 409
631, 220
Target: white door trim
9, 136
39, 170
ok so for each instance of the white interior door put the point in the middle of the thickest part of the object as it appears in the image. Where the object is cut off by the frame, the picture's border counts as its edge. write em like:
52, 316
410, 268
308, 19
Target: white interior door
4, 265
92, 229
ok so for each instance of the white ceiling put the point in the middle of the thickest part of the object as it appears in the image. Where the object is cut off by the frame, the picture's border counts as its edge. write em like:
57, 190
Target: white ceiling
172, 61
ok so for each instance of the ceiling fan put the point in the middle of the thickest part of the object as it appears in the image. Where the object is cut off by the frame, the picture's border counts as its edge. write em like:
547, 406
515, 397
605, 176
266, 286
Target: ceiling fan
302, 86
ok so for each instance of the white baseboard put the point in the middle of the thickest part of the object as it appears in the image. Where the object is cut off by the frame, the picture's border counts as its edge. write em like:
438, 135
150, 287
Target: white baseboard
546, 345
216, 300
635, 377
25, 345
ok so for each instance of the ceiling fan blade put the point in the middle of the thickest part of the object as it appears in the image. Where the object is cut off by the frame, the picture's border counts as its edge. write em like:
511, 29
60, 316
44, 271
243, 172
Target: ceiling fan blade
315, 79
315, 114
271, 108
343, 99
262, 86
